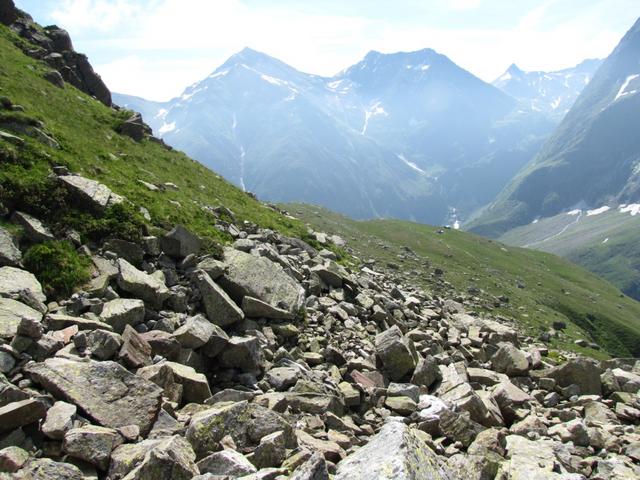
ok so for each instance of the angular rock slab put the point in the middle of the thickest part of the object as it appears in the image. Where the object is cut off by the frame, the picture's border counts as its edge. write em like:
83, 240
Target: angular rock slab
394, 453
140, 284
94, 193
21, 285
11, 313
105, 391
260, 278
221, 310
246, 423
10, 255
171, 459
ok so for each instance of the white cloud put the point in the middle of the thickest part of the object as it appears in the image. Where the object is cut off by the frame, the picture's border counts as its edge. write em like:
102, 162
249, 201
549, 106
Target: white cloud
102, 15
155, 48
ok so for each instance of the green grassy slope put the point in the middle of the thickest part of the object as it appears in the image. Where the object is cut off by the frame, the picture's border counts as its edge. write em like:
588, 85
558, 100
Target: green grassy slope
554, 289
90, 146
606, 244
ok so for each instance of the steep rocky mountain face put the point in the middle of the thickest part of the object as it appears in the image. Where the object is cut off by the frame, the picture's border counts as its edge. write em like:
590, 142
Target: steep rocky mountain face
133, 348
408, 135
593, 158
552, 93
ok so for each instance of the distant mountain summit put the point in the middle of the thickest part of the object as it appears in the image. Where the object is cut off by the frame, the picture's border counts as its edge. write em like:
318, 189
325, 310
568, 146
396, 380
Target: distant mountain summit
408, 135
550, 92
592, 159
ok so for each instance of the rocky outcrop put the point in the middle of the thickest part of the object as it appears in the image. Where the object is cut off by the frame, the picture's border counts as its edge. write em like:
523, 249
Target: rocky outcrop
53, 45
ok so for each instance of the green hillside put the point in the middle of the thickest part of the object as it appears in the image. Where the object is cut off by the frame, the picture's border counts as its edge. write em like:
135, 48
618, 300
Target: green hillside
89, 145
539, 288
86, 132
605, 244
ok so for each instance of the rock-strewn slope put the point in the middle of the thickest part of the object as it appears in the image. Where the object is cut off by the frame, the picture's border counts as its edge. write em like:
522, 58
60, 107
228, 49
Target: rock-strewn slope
274, 361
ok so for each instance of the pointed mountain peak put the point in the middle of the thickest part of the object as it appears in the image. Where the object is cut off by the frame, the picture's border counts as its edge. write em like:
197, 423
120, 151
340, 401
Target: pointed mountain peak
514, 69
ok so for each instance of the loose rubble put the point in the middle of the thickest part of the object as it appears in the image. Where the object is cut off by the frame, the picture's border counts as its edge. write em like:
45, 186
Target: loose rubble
275, 361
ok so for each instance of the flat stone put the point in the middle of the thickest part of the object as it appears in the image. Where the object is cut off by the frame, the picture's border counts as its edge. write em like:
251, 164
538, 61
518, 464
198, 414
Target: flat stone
10, 255
244, 422
220, 308
104, 391
94, 193
92, 444
180, 243
255, 308
196, 387
195, 332
121, 312
227, 463
11, 314
243, 353
33, 228
47, 469
60, 322
396, 352
260, 278
21, 413
315, 468
135, 351
59, 420
18, 284
12, 459
168, 459
395, 453
147, 287
582, 372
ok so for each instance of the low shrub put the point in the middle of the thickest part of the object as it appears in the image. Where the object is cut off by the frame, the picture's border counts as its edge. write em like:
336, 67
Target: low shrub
58, 267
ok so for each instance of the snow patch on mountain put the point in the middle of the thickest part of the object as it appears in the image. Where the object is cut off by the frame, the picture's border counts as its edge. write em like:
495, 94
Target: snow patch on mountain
598, 211
411, 165
623, 89
375, 109
632, 208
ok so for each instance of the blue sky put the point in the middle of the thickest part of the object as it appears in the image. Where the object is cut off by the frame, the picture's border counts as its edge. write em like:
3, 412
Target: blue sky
155, 48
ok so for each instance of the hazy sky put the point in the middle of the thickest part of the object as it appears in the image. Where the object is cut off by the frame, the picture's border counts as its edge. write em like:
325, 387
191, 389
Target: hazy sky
155, 48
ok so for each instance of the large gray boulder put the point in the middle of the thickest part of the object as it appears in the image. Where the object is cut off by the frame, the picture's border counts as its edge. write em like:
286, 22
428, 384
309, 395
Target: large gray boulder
315, 468
244, 422
166, 374
89, 192
220, 308
47, 469
10, 255
509, 360
104, 391
259, 277
180, 242
227, 463
21, 285
395, 453
121, 312
171, 459
150, 288
11, 314
396, 352
34, 229
92, 444
583, 372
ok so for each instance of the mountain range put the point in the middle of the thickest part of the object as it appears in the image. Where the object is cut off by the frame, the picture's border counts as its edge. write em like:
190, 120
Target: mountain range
408, 135
550, 92
593, 157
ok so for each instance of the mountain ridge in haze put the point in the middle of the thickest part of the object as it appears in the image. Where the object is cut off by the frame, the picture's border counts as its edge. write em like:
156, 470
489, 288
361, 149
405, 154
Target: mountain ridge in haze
408, 135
